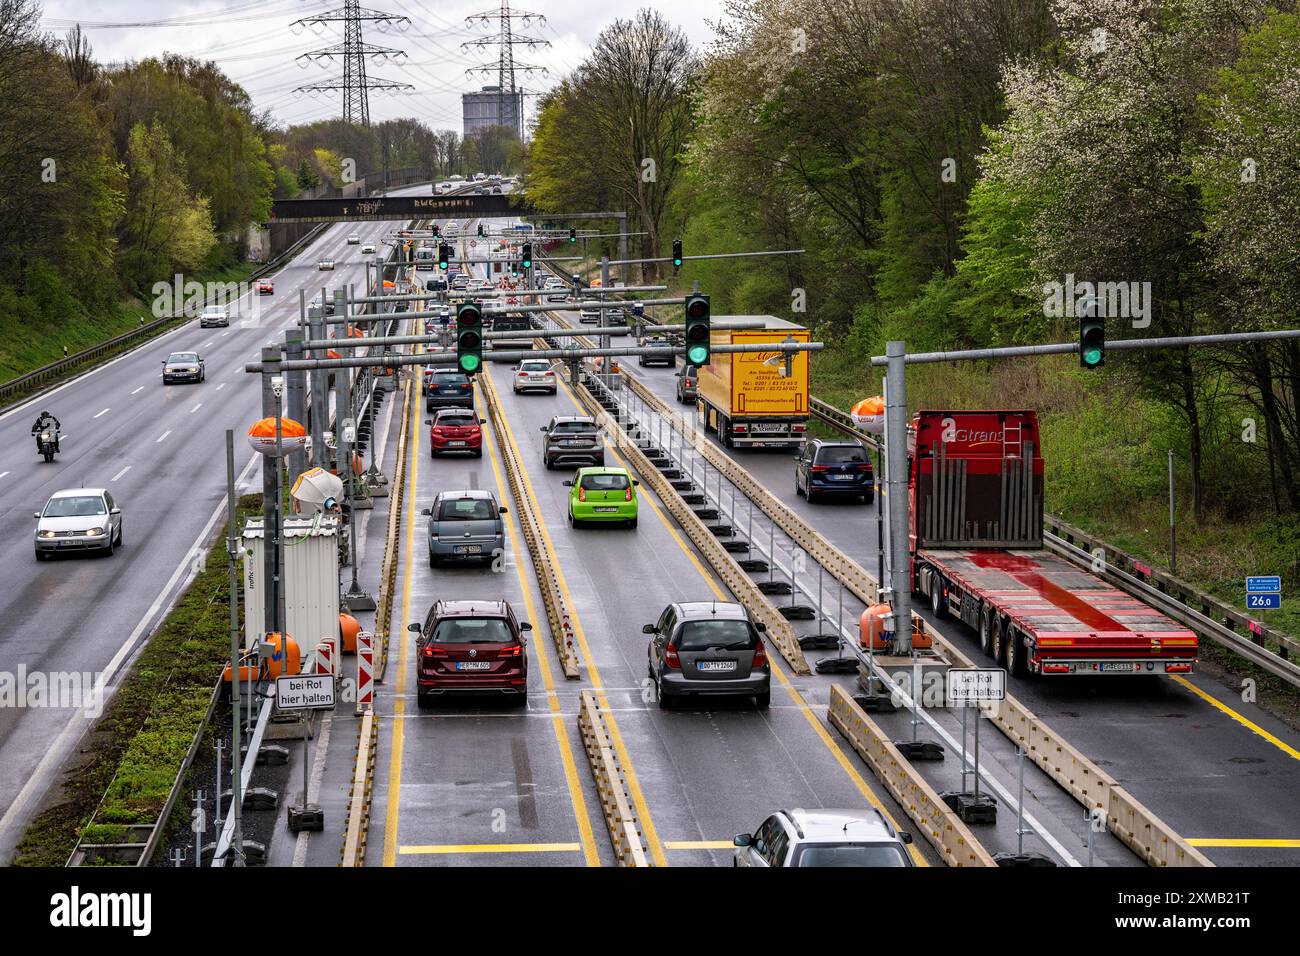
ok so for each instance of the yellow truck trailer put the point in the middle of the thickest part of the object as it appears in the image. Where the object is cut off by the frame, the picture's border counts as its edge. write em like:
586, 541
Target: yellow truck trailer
746, 397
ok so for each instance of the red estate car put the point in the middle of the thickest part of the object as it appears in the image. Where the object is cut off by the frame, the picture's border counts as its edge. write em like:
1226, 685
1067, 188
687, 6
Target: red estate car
265, 287
455, 429
471, 647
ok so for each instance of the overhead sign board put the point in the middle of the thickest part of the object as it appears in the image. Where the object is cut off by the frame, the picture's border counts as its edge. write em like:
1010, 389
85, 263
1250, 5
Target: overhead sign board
973, 685
305, 692
396, 208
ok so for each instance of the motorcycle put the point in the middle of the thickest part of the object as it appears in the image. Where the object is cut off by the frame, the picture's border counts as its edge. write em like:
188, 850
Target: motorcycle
48, 442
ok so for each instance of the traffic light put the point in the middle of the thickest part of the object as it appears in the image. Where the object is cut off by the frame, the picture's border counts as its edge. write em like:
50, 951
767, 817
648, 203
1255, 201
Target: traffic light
480, 230
698, 332
444, 254
514, 268
436, 233
573, 235
677, 254
1092, 335
469, 337
528, 255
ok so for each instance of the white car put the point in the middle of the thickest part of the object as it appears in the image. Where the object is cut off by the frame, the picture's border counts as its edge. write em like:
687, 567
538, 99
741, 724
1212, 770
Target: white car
324, 264
535, 375
78, 519
851, 838
353, 240
214, 315
368, 249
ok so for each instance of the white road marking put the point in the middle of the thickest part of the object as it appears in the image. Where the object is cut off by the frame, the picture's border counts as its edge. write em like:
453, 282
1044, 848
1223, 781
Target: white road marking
121, 473
195, 409
97, 414
162, 436
223, 335
140, 389
217, 389
3, 473
208, 344
77, 724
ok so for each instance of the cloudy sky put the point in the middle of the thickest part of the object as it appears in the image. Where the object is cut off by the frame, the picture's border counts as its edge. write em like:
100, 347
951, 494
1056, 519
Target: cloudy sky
255, 42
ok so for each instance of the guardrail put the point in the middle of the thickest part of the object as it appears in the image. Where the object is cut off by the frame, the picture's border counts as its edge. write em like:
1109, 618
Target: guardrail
945, 831
557, 611
611, 787
17, 388
358, 812
1208, 616
392, 542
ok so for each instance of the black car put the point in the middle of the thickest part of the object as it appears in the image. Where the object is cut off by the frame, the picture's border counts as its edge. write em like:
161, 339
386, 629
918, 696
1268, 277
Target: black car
708, 648
183, 367
825, 468
572, 440
448, 388
436, 284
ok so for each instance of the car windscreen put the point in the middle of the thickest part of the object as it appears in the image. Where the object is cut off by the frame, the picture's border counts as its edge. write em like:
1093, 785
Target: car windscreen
451, 378
700, 635
466, 509
75, 507
534, 366
456, 421
472, 630
183, 357
841, 455
573, 428
849, 854
604, 482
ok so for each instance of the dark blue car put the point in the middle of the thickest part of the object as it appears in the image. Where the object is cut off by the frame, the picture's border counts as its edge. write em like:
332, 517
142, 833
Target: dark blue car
826, 468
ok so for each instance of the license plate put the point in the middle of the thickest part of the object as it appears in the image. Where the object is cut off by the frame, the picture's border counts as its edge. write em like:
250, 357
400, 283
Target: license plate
767, 429
469, 549
455, 444
605, 511
841, 477
1123, 667
473, 665
574, 444
716, 665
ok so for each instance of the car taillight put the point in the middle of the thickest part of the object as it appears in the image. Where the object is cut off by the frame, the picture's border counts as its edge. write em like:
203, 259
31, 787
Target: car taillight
760, 655
523, 374
431, 651
582, 493
514, 650
550, 375
671, 659
740, 429
628, 496
688, 382
820, 468
862, 466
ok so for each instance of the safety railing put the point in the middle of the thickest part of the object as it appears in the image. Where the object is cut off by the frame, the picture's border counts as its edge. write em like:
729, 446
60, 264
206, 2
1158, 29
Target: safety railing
611, 787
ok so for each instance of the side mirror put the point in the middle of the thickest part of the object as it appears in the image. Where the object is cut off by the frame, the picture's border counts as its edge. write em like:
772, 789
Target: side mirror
636, 483
525, 626
648, 629
760, 627
542, 429
115, 511
413, 627
428, 421
742, 839
482, 421
426, 511
568, 482
502, 510
905, 837
36, 515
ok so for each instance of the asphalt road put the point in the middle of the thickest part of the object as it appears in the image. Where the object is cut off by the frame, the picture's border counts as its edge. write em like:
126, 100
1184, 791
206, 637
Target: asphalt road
161, 452
1213, 766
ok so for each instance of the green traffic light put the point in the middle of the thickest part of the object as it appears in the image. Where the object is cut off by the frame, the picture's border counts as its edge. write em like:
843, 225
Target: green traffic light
1091, 357
469, 364
696, 354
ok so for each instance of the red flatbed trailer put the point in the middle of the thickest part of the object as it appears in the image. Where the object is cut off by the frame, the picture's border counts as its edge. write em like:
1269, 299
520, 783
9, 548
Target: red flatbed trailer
975, 488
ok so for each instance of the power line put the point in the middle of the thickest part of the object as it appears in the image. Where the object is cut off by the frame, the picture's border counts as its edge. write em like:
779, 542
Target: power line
507, 66
354, 84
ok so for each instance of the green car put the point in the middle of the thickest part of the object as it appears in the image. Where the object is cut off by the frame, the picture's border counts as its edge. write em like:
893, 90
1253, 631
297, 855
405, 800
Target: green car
602, 494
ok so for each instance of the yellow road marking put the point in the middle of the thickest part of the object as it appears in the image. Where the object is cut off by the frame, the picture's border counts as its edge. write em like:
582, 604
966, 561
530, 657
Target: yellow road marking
1213, 841
589, 850
1245, 722
699, 844
593, 673
441, 849
822, 733
399, 701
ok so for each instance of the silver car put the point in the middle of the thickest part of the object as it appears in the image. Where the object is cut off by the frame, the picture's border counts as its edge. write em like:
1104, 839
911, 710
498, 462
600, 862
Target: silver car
465, 526
823, 838
183, 367
532, 375
78, 519
708, 648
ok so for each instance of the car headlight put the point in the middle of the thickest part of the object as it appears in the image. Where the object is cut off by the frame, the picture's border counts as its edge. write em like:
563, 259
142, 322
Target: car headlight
95, 531
45, 534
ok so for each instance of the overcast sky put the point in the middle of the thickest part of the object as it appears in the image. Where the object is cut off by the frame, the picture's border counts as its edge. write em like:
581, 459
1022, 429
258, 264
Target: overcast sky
254, 43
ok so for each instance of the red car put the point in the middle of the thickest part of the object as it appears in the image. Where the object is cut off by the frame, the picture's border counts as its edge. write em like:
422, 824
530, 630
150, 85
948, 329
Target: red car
265, 287
455, 429
471, 647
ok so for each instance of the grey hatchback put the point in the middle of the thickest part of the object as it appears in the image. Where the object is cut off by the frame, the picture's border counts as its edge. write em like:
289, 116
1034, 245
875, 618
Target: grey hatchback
572, 440
708, 647
465, 526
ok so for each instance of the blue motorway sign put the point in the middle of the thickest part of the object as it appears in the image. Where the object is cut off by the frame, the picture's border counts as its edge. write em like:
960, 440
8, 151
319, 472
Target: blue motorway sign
1263, 583
1264, 602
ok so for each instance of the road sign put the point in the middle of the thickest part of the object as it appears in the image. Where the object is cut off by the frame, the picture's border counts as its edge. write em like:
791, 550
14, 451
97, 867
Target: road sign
1271, 601
972, 685
1263, 583
304, 692
473, 243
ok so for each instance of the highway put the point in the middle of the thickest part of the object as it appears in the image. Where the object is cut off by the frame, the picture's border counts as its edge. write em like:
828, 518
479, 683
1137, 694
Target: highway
160, 451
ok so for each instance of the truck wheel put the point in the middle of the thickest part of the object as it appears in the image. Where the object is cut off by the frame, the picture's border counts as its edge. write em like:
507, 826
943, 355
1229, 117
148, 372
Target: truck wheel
986, 633
937, 602
1000, 629
1015, 653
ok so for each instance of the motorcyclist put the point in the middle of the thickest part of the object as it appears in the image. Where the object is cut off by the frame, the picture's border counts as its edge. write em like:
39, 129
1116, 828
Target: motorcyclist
44, 421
